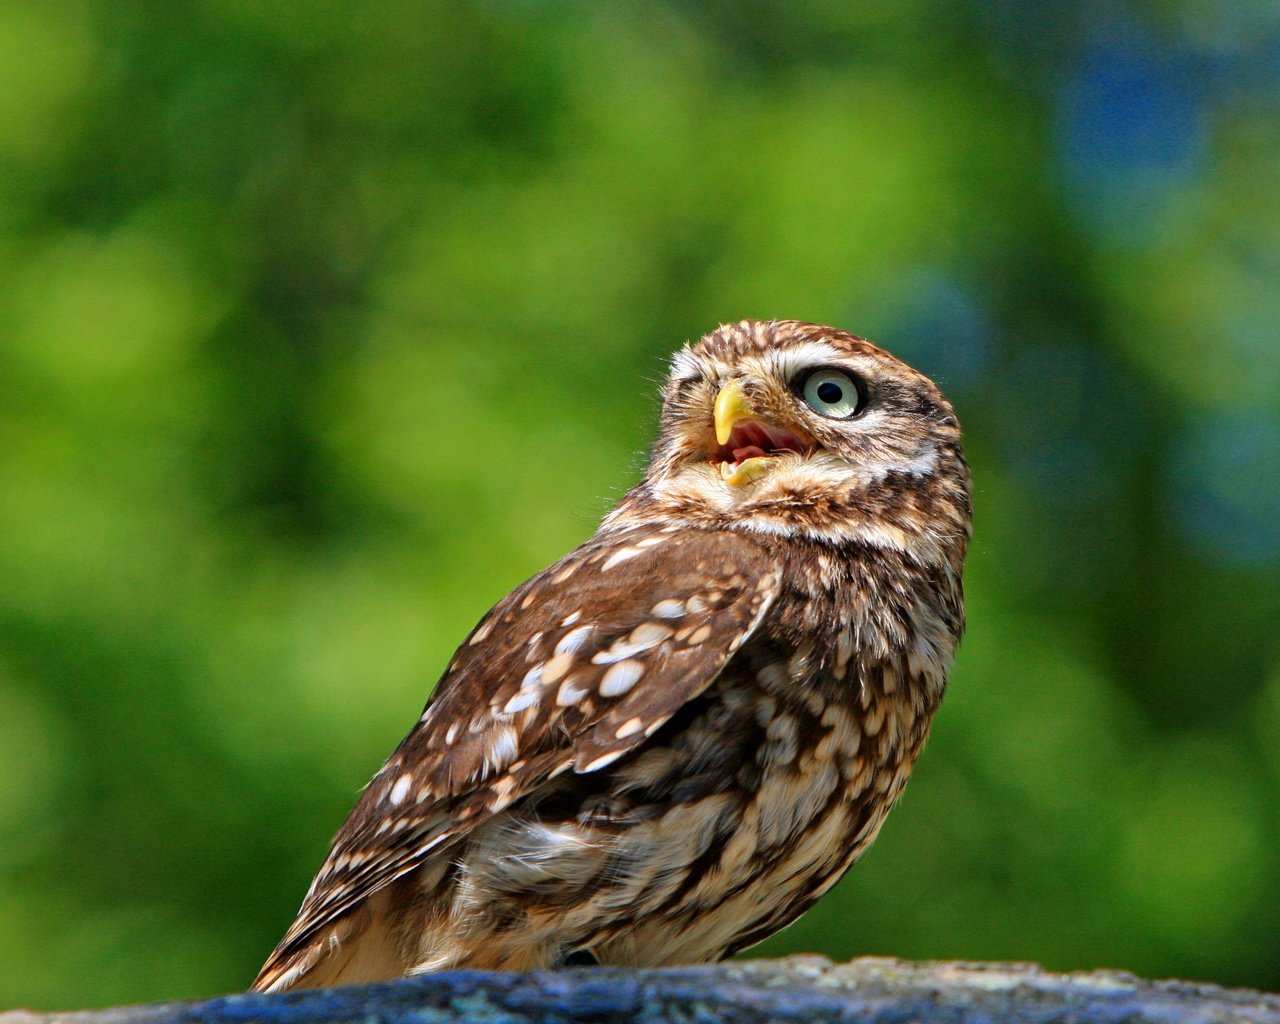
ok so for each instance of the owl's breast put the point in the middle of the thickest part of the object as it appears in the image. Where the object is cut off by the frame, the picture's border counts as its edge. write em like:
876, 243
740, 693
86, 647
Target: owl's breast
801, 766
834, 732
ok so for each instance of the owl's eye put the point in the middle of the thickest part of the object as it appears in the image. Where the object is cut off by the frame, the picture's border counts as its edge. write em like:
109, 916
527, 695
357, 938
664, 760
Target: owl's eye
832, 393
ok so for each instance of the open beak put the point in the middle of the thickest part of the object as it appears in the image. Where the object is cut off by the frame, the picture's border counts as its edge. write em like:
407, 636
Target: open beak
744, 442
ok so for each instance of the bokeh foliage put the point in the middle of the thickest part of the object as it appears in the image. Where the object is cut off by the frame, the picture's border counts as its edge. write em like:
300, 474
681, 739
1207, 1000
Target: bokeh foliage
323, 324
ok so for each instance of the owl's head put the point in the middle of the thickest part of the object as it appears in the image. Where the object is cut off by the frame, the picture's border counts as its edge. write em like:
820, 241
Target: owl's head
792, 428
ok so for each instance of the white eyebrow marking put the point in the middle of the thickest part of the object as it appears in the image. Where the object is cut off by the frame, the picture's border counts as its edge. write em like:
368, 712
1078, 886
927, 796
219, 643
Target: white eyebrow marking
683, 365
791, 360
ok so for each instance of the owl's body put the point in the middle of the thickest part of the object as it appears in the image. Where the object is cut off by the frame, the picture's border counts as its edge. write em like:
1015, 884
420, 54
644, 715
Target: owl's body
669, 744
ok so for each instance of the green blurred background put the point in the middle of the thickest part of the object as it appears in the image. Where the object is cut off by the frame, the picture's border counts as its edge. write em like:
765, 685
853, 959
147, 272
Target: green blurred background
324, 324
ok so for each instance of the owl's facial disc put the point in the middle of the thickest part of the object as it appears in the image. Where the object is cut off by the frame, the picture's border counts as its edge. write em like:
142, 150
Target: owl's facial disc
745, 443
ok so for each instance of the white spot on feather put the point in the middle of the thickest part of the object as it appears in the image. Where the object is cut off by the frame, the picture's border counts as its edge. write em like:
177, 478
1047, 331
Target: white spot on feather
397, 793
556, 666
621, 555
649, 634
620, 678
602, 761
571, 691
700, 635
922, 465
645, 636
501, 748
573, 640
503, 793
668, 609
522, 700
629, 728
844, 651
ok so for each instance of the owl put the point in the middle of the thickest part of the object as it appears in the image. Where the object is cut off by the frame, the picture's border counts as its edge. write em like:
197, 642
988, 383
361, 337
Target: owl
669, 744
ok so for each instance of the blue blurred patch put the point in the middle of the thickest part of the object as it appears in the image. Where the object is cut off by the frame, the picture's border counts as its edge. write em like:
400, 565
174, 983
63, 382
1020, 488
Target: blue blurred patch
940, 329
1131, 136
1225, 476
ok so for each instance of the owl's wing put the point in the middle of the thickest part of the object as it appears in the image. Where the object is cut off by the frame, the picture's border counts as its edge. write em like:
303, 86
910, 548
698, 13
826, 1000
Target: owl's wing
573, 669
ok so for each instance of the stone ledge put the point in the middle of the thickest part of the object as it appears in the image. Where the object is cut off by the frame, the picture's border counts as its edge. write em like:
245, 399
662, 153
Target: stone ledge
870, 990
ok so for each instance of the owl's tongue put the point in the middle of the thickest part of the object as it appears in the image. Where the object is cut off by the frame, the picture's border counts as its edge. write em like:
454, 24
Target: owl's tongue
753, 439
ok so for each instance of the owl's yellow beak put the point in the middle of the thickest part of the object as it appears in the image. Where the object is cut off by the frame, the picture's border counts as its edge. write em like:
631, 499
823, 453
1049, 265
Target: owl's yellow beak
731, 406
746, 442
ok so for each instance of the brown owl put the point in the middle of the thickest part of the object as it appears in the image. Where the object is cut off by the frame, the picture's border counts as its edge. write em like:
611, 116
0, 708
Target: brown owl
669, 744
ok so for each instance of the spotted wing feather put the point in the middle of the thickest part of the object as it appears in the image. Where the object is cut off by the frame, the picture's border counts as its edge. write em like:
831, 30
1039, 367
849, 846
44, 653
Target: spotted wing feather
571, 670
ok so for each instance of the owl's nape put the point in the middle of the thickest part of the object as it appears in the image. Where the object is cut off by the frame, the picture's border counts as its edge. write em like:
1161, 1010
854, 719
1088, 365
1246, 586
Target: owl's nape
667, 745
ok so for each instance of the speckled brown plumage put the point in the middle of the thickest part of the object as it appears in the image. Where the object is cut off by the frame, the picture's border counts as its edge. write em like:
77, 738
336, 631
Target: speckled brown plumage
669, 744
